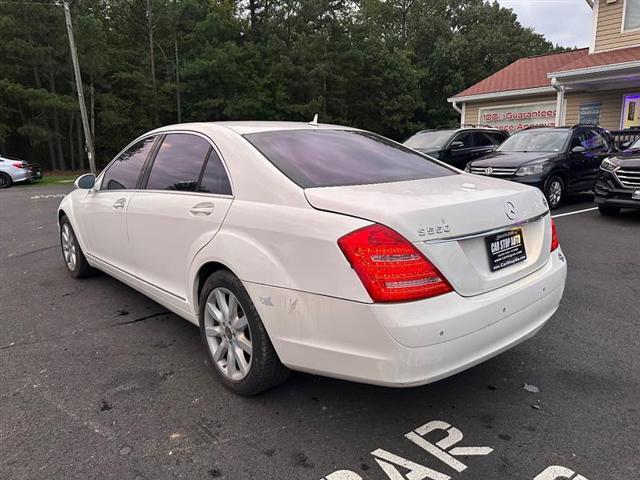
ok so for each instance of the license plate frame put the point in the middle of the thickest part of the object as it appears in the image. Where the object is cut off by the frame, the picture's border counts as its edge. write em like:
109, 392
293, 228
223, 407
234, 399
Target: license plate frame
505, 249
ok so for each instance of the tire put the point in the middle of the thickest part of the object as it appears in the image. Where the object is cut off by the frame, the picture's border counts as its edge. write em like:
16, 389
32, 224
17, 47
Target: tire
5, 180
554, 191
72, 254
608, 210
253, 366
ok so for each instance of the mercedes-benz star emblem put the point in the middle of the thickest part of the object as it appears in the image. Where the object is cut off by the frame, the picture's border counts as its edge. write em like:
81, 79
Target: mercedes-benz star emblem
488, 171
510, 210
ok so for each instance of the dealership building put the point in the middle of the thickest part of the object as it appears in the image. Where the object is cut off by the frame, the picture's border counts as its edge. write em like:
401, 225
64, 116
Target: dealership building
596, 85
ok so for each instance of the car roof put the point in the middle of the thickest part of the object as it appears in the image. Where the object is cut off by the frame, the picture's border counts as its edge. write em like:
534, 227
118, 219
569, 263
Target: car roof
460, 129
245, 127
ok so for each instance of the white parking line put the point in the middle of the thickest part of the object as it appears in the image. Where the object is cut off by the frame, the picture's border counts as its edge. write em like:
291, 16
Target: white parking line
573, 213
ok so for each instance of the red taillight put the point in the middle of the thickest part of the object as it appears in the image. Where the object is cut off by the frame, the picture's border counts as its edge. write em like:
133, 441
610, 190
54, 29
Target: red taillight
554, 236
20, 164
390, 268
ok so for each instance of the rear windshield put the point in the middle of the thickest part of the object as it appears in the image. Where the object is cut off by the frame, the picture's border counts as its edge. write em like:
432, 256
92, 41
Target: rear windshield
330, 158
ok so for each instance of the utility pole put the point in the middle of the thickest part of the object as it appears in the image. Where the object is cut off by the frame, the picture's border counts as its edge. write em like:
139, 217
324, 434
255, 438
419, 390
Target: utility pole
91, 153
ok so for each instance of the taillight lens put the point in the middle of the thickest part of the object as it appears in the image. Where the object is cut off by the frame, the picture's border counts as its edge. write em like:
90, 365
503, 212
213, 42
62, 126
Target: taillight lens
554, 236
390, 267
20, 164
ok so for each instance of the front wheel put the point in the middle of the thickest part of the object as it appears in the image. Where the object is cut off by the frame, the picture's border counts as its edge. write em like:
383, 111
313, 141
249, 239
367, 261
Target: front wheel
237, 343
608, 210
554, 191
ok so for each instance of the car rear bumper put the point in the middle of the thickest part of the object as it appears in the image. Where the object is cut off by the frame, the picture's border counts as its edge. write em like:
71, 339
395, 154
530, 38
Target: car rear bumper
407, 344
20, 175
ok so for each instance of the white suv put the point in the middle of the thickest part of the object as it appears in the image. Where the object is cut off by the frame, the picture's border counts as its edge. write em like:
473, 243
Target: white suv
319, 248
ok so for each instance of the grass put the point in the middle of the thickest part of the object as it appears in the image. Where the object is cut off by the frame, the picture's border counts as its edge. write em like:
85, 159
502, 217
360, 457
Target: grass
56, 178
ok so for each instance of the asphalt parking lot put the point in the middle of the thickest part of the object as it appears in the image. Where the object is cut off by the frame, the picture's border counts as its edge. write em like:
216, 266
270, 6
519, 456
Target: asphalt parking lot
100, 382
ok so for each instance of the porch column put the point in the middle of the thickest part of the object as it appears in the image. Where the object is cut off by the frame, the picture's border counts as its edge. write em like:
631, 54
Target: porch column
559, 104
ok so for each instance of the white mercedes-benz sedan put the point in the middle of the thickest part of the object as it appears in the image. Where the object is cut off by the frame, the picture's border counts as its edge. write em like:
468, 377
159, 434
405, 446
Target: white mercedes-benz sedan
319, 248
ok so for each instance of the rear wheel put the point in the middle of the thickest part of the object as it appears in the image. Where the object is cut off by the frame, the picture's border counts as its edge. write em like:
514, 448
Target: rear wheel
554, 191
5, 180
237, 343
74, 258
608, 210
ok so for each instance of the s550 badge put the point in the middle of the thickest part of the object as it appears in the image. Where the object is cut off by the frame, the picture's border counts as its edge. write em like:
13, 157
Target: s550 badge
444, 228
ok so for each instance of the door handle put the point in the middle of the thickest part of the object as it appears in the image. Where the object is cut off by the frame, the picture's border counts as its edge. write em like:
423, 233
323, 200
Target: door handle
120, 203
204, 208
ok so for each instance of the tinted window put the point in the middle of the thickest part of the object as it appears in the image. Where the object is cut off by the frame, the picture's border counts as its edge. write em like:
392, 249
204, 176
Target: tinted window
125, 170
536, 140
178, 164
214, 178
588, 139
466, 138
324, 158
486, 139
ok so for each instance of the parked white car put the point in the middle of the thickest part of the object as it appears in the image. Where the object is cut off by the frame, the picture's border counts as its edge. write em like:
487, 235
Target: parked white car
319, 248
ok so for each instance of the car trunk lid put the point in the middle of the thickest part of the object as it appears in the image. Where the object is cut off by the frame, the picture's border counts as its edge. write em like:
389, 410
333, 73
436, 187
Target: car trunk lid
448, 219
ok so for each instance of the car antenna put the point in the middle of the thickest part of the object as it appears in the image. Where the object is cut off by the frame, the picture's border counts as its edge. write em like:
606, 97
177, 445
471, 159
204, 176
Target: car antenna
314, 122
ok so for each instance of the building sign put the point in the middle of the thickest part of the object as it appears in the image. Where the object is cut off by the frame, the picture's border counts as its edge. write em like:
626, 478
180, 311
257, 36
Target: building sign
517, 117
590, 113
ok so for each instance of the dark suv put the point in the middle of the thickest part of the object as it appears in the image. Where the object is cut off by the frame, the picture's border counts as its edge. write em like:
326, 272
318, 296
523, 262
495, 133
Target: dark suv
618, 185
457, 146
559, 161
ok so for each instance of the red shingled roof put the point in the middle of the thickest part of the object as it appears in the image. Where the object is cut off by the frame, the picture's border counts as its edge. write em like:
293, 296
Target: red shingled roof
610, 57
530, 72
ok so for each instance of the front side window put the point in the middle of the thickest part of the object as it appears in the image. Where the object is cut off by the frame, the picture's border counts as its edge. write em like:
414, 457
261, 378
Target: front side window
178, 163
328, 158
631, 15
534, 140
124, 172
588, 139
465, 138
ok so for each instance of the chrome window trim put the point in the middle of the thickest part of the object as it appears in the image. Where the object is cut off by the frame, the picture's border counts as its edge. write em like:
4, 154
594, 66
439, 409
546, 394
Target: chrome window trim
484, 233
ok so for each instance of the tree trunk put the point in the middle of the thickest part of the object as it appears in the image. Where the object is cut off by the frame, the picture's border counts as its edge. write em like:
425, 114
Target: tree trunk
152, 61
80, 148
56, 125
72, 151
92, 112
178, 101
52, 155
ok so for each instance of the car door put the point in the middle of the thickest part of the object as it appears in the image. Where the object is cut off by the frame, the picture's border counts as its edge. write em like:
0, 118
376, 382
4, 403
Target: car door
580, 164
184, 198
101, 212
461, 149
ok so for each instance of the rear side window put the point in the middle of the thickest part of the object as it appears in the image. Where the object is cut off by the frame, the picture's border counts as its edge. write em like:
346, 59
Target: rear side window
178, 163
327, 158
214, 178
123, 173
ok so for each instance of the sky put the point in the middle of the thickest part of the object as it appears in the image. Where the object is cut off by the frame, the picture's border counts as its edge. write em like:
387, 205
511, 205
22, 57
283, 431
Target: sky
565, 22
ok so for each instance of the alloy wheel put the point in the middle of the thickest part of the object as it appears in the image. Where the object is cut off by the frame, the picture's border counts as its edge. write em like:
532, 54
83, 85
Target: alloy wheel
555, 192
69, 248
228, 334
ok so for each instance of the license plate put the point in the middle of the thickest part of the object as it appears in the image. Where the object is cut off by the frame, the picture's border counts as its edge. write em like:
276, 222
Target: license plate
505, 249
635, 195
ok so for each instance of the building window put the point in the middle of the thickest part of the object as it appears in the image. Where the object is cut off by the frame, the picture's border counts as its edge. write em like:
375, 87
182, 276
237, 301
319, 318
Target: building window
631, 17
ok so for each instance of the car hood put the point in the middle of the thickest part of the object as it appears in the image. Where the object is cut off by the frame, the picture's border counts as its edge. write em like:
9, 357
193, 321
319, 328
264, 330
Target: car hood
513, 159
628, 158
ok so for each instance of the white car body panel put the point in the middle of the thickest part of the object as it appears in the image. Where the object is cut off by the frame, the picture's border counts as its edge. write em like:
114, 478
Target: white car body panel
280, 240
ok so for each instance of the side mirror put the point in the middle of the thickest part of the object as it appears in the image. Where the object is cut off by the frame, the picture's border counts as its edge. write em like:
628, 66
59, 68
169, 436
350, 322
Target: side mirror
85, 182
578, 149
456, 145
